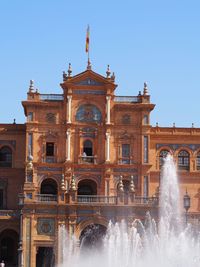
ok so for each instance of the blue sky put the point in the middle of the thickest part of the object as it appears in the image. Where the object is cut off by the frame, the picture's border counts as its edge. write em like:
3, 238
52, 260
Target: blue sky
153, 41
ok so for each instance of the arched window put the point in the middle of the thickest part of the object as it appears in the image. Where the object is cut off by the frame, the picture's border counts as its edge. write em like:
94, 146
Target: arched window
8, 247
198, 160
87, 187
5, 157
163, 154
48, 187
183, 160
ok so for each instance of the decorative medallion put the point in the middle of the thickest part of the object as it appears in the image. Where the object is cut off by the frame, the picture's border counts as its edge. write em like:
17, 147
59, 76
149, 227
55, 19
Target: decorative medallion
88, 113
45, 226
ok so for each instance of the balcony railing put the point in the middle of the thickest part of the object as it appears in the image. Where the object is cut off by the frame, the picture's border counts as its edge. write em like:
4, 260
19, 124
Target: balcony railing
47, 198
127, 99
51, 97
97, 199
88, 159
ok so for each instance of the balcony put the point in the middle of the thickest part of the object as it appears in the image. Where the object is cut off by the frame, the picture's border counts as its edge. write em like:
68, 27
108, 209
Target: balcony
127, 99
87, 159
97, 199
51, 97
46, 198
123, 199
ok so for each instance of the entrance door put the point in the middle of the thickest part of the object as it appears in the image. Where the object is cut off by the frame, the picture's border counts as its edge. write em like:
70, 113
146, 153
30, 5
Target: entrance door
45, 257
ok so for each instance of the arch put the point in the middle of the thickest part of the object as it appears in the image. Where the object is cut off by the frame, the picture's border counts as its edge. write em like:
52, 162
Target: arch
91, 237
162, 155
88, 113
87, 187
183, 160
8, 247
49, 187
6, 156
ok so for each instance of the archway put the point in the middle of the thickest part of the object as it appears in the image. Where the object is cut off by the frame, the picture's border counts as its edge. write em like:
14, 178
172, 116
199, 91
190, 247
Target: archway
87, 188
91, 238
49, 187
8, 247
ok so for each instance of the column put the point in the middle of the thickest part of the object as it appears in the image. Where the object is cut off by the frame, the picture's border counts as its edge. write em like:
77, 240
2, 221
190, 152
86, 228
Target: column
69, 107
68, 145
107, 146
108, 109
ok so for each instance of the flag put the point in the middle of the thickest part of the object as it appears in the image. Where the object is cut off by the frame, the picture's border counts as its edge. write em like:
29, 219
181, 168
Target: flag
87, 40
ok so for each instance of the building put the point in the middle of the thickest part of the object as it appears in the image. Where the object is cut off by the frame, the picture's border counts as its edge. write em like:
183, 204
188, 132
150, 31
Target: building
85, 157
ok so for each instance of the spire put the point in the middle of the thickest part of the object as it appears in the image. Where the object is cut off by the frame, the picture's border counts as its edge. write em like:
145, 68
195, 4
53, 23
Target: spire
121, 186
69, 70
31, 86
132, 186
145, 90
108, 72
73, 184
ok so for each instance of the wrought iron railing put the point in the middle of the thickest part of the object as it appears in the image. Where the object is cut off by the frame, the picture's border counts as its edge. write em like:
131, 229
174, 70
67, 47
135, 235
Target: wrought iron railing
51, 97
127, 99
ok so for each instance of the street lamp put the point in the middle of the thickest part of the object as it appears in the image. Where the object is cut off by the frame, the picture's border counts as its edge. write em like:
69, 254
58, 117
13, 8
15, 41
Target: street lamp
186, 204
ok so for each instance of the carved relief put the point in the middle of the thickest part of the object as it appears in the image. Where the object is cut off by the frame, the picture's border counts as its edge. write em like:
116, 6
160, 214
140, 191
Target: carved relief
51, 118
88, 113
126, 119
46, 226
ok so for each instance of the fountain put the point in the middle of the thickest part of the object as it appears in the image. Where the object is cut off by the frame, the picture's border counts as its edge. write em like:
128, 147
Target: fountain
168, 244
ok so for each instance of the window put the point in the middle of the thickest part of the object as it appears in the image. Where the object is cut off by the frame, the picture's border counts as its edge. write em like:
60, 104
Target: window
146, 159
30, 144
146, 120
49, 149
125, 153
5, 157
163, 154
30, 116
87, 148
198, 161
183, 160
146, 186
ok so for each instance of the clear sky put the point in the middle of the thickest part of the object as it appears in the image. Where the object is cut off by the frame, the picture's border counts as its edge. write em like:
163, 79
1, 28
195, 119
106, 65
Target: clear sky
157, 41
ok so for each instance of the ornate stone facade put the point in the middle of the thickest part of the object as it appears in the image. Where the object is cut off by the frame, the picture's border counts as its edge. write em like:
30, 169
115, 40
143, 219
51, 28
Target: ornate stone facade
85, 157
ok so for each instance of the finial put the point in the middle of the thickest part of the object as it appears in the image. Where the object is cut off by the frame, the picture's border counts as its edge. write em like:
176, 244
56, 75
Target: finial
174, 125
139, 93
69, 70
121, 186
145, 90
14, 121
64, 76
156, 124
73, 184
192, 125
31, 86
113, 77
108, 72
63, 182
89, 66
132, 186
